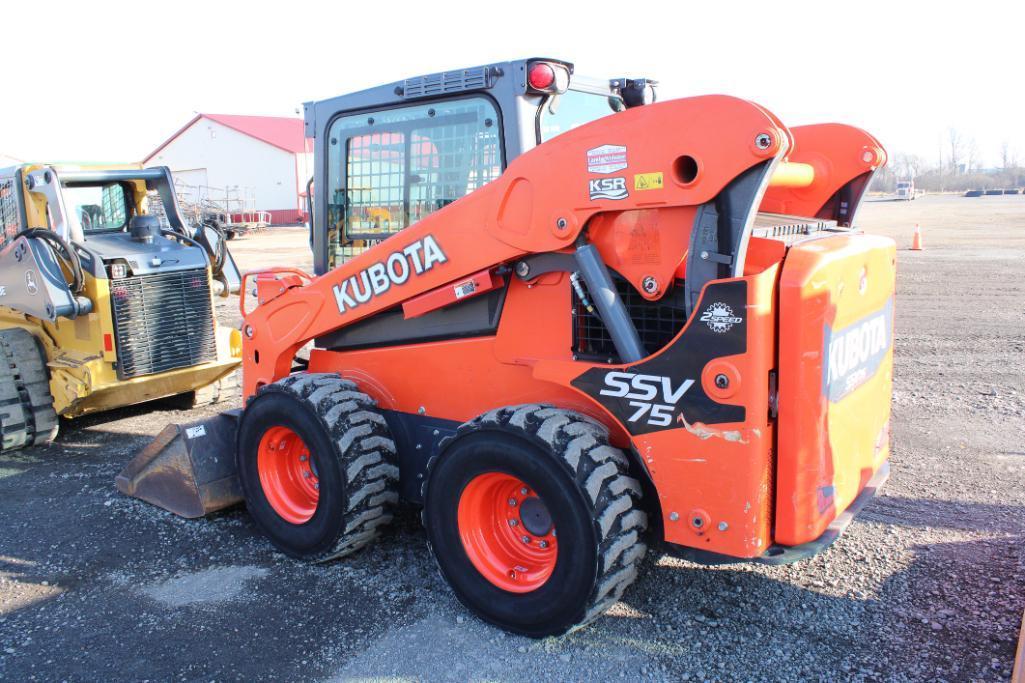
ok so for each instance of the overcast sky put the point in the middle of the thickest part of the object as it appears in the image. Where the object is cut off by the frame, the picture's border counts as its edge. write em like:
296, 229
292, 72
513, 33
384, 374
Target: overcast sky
109, 81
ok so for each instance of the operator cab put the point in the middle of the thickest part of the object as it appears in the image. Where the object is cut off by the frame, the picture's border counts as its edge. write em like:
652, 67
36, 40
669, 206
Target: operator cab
391, 155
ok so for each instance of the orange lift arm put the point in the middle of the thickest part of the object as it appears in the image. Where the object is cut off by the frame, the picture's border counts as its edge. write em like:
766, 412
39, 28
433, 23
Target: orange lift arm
541, 203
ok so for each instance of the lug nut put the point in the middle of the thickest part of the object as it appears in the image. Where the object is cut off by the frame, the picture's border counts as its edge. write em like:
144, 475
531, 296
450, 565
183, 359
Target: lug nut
303, 458
526, 539
512, 502
316, 486
523, 491
543, 544
306, 474
513, 522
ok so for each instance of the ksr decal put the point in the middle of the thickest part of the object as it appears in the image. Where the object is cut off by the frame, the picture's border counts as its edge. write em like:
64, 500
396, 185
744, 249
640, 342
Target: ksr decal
607, 188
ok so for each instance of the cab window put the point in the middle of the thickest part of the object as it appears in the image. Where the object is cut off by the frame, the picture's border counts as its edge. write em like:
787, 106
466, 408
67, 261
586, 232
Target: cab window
575, 108
389, 169
99, 208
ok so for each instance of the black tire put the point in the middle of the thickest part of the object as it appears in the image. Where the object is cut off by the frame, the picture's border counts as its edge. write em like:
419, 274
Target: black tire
27, 416
594, 505
354, 454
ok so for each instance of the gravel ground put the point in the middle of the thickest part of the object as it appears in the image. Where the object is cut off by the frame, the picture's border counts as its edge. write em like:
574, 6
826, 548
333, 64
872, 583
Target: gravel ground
928, 584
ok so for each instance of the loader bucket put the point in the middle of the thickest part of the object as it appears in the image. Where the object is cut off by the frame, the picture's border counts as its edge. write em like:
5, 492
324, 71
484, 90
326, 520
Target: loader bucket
189, 469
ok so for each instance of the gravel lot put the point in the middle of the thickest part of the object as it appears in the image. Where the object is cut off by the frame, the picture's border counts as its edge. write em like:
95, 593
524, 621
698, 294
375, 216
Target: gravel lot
927, 584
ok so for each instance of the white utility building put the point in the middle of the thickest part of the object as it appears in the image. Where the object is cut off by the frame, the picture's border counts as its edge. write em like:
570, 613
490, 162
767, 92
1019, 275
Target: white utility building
254, 162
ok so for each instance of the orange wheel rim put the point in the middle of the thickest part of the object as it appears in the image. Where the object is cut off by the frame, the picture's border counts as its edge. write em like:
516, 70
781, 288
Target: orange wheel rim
507, 532
288, 475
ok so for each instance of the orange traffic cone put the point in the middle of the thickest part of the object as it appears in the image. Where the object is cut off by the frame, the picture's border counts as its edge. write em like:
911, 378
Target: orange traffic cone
916, 241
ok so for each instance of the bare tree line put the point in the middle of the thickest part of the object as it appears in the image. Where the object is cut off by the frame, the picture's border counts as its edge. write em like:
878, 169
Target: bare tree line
959, 167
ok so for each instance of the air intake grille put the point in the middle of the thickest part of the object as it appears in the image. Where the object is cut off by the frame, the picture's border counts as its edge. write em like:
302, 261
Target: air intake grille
447, 82
162, 322
789, 229
657, 322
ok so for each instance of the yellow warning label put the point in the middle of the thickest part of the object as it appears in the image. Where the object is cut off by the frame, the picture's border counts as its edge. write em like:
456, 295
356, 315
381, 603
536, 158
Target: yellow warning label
648, 181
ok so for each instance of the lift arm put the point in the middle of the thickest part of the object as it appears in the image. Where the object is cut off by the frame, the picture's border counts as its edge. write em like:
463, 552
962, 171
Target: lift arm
541, 203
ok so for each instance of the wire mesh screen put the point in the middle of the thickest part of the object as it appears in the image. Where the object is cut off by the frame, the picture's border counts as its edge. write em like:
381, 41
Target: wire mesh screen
10, 213
377, 185
657, 322
392, 168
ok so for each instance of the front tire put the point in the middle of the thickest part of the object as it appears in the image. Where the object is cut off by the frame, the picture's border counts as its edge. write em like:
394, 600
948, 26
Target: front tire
316, 463
533, 519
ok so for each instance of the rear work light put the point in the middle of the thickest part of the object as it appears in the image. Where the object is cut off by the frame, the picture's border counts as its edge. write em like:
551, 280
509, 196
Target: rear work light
547, 77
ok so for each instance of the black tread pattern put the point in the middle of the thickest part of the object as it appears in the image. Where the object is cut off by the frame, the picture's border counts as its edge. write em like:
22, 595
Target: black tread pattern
27, 417
370, 476
600, 470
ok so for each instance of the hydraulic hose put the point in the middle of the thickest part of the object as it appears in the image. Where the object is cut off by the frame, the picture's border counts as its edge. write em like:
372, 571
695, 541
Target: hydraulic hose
219, 252
62, 250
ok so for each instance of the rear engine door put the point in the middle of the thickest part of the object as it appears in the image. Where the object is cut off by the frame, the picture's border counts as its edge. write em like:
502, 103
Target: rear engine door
835, 378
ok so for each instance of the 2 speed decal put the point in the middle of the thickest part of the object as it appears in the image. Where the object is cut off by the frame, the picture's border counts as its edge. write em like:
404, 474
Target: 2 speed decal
719, 317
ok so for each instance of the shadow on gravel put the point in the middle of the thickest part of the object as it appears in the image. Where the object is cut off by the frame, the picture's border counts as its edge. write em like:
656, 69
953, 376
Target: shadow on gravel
950, 514
155, 411
952, 613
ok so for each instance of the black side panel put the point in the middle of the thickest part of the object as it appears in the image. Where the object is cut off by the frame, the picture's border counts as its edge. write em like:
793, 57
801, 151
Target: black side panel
417, 440
654, 395
476, 317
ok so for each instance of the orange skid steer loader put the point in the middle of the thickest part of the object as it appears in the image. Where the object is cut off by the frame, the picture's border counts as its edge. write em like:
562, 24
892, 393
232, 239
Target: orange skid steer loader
595, 320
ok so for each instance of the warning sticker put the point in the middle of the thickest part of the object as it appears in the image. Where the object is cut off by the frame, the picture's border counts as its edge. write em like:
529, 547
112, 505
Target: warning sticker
465, 289
606, 159
648, 181
197, 431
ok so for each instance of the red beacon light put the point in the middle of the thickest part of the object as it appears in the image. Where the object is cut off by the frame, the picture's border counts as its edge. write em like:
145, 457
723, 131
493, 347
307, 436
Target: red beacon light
547, 77
541, 76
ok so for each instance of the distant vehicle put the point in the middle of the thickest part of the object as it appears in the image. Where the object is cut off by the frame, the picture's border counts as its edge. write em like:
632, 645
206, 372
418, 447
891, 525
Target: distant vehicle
905, 189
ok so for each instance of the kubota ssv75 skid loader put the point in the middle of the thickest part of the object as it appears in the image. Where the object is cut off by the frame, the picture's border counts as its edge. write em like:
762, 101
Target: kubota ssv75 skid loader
596, 320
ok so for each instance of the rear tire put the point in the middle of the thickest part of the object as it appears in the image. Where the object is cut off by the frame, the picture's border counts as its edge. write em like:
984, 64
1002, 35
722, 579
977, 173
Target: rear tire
564, 460
316, 463
27, 416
